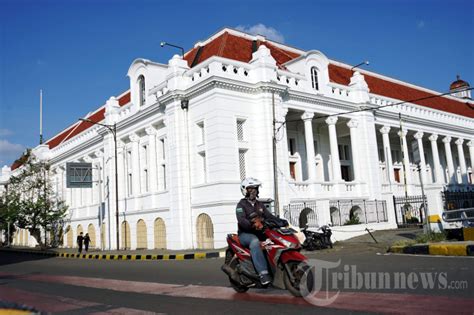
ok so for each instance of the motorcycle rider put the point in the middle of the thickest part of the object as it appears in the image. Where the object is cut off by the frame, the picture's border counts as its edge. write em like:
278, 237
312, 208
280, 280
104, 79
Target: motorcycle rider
250, 212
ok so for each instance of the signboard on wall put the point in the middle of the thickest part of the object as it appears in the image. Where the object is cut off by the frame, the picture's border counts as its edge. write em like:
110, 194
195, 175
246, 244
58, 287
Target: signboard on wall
79, 175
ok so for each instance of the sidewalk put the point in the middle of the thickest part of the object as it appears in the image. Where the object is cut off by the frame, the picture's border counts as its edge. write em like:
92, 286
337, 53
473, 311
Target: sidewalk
156, 254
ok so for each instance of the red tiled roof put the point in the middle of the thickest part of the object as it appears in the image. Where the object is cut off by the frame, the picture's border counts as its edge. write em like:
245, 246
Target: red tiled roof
236, 48
81, 126
239, 48
394, 90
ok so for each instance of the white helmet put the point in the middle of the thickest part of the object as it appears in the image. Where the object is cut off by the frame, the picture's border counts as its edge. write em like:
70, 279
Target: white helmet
249, 182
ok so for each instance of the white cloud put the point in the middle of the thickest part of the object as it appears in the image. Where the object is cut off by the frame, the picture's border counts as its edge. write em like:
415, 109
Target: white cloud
420, 24
9, 152
261, 29
5, 132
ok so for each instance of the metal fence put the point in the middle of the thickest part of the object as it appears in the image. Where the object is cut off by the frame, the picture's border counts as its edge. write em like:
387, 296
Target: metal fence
409, 210
357, 211
453, 200
301, 214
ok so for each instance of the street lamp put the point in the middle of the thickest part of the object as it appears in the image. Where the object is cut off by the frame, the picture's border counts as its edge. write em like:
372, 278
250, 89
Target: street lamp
163, 44
360, 64
113, 130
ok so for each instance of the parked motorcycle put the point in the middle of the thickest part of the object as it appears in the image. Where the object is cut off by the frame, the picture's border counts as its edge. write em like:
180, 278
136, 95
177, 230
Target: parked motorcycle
288, 267
320, 239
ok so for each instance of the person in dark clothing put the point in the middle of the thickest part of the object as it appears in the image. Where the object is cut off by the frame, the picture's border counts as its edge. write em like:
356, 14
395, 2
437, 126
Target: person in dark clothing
80, 240
250, 212
87, 240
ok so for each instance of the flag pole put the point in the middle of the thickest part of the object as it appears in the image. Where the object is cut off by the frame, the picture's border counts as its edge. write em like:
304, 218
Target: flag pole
41, 116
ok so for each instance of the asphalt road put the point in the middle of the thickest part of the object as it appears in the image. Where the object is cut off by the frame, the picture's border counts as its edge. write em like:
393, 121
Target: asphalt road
75, 286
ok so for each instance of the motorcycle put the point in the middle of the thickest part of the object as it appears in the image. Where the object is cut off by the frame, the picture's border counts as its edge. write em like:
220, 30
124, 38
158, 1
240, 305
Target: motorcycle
288, 267
320, 239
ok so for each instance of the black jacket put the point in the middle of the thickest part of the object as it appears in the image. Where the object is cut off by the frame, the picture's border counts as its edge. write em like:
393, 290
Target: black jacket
243, 211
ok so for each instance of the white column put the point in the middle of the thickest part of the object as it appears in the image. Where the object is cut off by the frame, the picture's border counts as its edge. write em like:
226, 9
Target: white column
470, 145
439, 178
135, 164
336, 164
462, 160
449, 159
152, 173
387, 152
406, 159
352, 124
308, 134
421, 150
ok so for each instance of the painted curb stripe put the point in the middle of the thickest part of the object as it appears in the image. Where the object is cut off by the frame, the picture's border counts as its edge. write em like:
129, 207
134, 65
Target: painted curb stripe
435, 249
126, 257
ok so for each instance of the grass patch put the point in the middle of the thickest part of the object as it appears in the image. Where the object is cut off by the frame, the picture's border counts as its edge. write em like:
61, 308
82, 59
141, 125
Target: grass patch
422, 239
431, 237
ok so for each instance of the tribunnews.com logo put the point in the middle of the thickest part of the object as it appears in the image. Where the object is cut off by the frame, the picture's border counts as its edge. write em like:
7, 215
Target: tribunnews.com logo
351, 279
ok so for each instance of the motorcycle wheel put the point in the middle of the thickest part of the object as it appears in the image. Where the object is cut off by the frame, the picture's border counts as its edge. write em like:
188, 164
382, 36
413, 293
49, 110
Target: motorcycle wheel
303, 279
236, 286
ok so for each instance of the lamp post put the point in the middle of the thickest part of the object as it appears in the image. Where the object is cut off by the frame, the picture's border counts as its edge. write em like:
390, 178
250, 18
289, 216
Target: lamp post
360, 64
163, 44
113, 130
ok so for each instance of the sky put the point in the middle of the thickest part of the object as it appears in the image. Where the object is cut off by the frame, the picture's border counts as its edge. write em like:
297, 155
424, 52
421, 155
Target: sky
79, 51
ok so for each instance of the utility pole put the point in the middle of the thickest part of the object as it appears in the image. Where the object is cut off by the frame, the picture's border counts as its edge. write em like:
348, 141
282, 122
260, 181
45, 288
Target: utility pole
275, 163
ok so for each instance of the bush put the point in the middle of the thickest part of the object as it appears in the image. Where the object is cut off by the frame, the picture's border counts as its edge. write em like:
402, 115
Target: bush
431, 237
353, 220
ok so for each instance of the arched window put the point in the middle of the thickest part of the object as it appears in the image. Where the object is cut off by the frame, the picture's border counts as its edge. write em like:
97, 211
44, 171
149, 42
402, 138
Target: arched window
314, 78
141, 90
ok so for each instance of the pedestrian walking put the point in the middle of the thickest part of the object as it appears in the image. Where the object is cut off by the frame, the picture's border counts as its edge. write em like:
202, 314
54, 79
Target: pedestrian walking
87, 240
80, 240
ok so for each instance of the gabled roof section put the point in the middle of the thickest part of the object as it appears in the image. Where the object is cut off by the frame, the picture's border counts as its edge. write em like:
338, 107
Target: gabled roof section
237, 45
80, 126
228, 45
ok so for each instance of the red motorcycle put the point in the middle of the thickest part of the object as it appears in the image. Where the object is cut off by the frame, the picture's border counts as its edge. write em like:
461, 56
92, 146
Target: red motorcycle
288, 267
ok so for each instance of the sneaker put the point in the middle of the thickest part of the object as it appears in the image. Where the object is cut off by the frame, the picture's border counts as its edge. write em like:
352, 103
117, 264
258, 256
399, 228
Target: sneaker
265, 279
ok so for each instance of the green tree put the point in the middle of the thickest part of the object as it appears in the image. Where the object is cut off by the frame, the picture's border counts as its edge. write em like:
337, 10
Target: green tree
31, 202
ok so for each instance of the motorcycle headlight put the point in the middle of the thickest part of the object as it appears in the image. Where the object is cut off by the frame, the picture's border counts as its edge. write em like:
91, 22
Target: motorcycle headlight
286, 243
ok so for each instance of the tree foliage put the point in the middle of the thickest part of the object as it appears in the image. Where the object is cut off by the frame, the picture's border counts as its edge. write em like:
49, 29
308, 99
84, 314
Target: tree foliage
31, 203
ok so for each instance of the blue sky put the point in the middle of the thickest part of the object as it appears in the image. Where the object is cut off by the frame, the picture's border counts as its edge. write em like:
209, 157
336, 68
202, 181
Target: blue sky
79, 51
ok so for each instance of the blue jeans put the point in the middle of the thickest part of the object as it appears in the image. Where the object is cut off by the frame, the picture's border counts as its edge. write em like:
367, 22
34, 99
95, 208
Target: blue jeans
252, 242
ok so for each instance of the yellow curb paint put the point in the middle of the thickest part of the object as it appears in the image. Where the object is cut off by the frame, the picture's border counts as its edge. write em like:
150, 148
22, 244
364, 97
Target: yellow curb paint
457, 250
468, 233
447, 249
154, 257
434, 218
199, 255
438, 250
166, 257
180, 257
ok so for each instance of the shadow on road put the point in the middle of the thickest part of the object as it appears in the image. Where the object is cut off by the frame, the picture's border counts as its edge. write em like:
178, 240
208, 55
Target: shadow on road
9, 257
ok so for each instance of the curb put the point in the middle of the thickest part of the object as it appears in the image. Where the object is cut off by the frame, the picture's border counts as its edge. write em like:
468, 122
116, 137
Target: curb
188, 256
434, 249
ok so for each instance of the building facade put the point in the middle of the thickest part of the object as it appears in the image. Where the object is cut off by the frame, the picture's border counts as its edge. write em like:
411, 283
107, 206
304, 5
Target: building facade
347, 141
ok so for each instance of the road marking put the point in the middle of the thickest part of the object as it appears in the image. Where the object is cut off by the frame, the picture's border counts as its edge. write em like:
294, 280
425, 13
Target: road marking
357, 301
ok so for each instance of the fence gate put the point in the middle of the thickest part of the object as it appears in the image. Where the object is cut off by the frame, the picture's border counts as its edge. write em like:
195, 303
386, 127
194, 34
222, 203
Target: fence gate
301, 214
409, 210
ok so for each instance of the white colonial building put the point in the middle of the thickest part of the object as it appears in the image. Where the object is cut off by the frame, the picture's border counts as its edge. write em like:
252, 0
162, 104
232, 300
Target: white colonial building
190, 130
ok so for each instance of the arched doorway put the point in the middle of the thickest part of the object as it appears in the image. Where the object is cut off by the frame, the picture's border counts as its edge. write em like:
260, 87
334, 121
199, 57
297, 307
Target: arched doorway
356, 216
141, 235
20, 231
335, 216
125, 235
102, 236
205, 231
69, 237
91, 231
160, 233
307, 218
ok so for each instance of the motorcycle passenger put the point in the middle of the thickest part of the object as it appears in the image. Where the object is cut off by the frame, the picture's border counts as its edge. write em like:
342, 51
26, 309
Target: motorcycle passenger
249, 212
